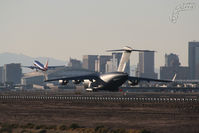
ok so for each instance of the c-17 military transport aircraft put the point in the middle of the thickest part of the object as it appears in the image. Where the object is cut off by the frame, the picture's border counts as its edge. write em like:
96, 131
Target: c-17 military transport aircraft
108, 81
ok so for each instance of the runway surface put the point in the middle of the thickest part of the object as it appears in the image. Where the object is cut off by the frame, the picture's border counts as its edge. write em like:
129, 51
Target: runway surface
101, 96
156, 112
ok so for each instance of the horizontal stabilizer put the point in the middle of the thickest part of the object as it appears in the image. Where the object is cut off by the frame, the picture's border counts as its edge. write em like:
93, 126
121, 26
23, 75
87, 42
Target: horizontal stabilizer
129, 49
126, 55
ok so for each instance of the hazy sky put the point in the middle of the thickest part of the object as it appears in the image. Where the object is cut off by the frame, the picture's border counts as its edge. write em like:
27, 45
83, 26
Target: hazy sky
72, 28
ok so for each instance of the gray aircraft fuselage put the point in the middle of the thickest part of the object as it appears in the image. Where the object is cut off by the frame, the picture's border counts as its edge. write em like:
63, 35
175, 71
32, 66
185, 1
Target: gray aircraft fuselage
113, 80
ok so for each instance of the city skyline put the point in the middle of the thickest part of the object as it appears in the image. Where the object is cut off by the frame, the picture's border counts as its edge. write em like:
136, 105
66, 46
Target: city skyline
18, 58
64, 29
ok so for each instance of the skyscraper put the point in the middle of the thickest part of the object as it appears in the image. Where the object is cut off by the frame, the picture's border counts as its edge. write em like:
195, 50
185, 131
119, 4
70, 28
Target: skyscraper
171, 60
146, 65
12, 73
194, 60
111, 66
89, 62
172, 67
104, 63
1, 74
75, 63
100, 63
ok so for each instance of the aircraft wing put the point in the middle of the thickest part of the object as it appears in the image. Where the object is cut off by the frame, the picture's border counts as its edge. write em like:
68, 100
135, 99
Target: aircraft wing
91, 76
53, 67
31, 67
148, 79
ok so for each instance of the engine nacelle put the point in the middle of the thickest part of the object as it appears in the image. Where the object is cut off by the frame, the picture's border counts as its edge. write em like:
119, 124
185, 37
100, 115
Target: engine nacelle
89, 89
87, 84
76, 81
63, 82
133, 83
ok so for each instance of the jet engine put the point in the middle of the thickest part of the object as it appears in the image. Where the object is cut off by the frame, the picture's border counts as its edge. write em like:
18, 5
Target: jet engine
90, 85
87, 84
89, 89
76, 81
133, 83
63, 82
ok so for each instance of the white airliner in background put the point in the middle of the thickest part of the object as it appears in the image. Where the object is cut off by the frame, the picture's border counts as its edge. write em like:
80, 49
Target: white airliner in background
39, 66
109, 81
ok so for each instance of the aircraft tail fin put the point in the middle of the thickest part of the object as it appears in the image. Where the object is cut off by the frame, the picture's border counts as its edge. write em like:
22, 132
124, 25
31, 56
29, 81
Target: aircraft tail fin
125, 56
124, 59
46, 65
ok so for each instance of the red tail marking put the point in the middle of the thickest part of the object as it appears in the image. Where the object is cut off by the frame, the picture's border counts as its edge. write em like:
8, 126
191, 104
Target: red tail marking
46, 65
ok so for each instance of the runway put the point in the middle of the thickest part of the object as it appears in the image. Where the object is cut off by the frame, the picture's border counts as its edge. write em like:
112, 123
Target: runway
156, 112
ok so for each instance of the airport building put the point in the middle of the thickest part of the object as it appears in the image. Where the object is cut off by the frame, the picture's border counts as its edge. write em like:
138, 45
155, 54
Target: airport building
77, 64
172, 67
89, 62
194, 59
12, 73
32, 78
145, 67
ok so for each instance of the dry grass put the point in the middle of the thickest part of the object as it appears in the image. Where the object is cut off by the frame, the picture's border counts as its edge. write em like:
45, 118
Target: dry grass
155, 117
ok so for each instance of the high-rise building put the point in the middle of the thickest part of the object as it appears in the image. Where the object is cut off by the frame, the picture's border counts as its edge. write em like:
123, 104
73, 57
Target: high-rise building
171, 60
104, 63
146, 65
194, 60
100, 63
12, 73
182, 72
111, 66
1, 74
172, 67
75, 63
89, 62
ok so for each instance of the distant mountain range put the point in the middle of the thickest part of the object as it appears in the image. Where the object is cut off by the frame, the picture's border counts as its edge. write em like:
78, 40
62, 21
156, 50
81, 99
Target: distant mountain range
7, 58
